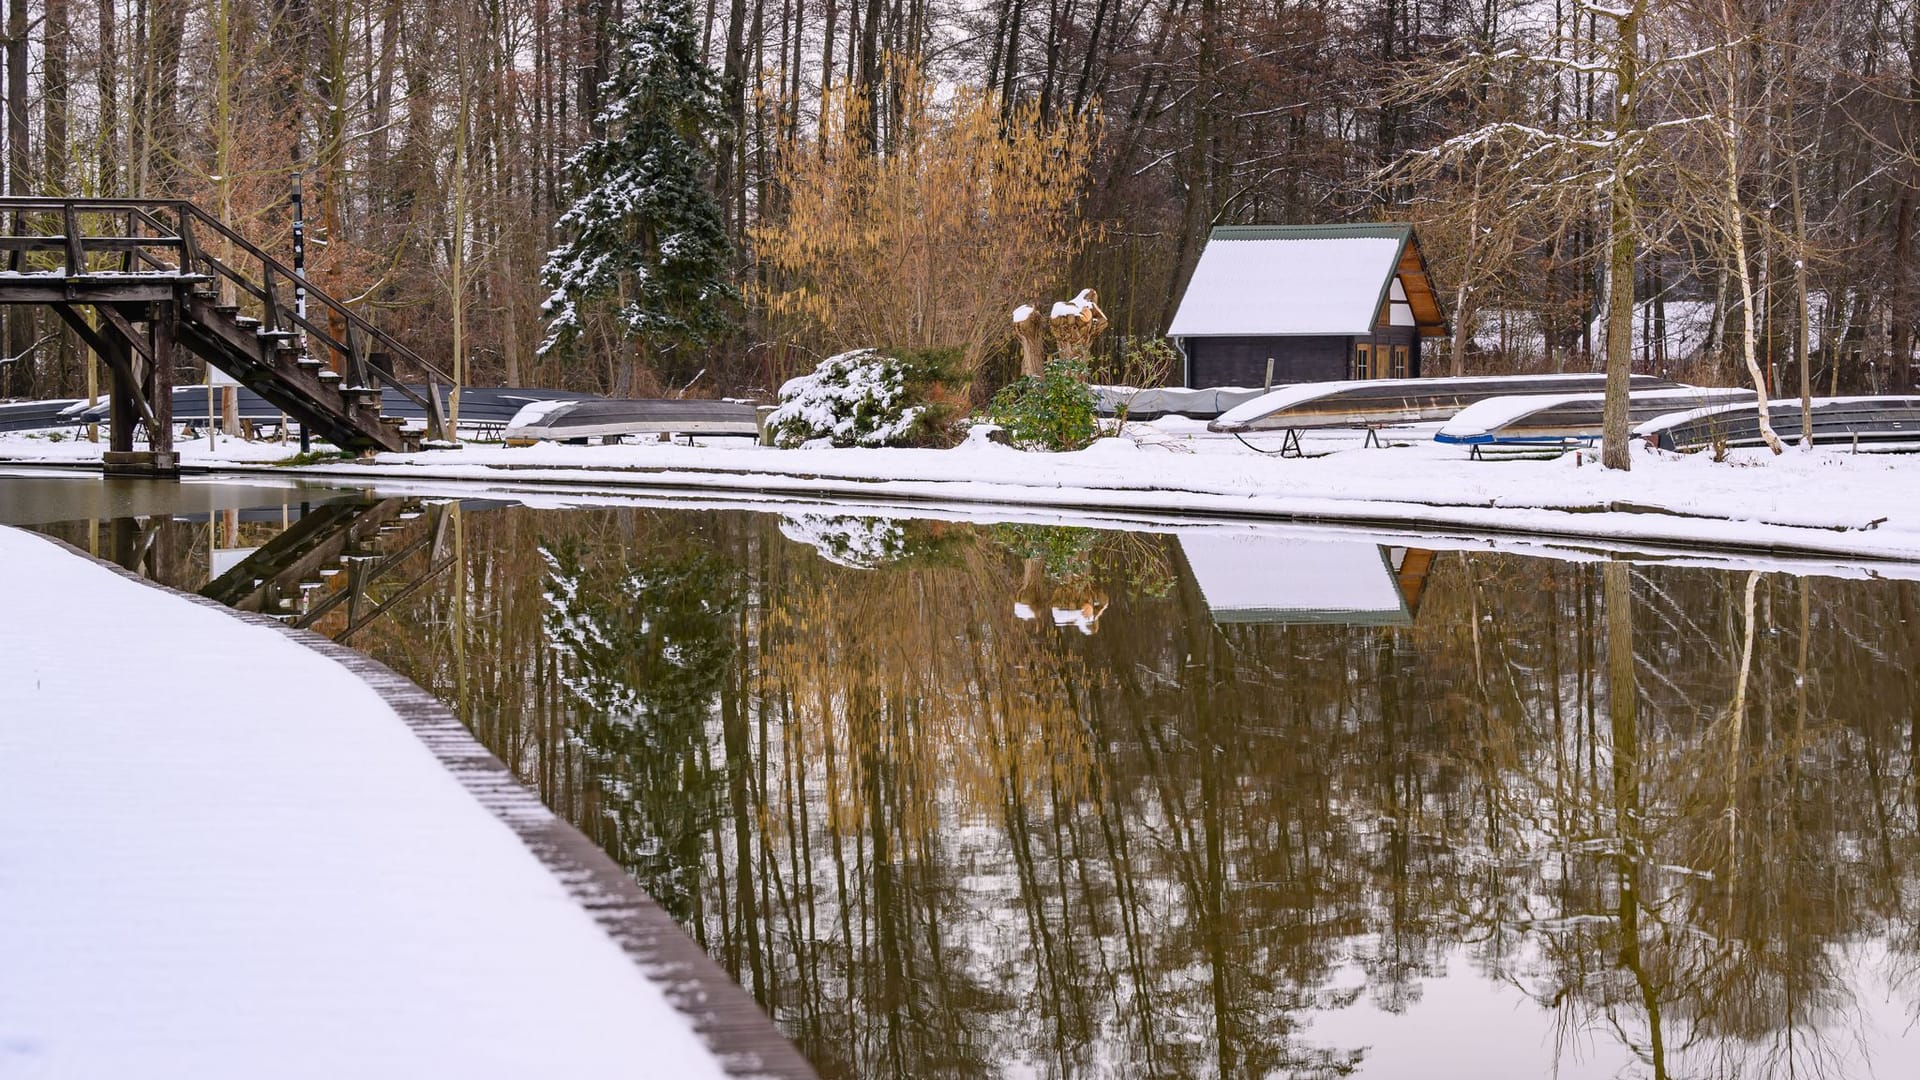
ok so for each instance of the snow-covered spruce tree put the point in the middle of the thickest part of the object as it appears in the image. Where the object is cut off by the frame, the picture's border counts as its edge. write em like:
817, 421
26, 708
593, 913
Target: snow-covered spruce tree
646, 240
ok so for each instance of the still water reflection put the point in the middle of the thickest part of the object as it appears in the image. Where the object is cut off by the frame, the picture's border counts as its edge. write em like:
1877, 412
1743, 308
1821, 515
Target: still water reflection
959, 800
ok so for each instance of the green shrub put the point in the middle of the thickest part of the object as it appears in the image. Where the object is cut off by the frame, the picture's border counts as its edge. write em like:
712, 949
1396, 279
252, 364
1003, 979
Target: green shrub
1051, 411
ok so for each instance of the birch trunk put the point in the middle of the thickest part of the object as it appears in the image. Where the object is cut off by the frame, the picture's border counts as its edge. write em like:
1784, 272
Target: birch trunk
1737, 238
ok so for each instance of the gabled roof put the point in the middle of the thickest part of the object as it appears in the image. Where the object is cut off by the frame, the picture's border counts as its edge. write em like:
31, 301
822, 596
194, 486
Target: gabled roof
1260, 578
1281, 280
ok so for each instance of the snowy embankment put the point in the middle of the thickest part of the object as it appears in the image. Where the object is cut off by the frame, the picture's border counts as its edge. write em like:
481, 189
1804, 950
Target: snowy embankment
223, 854
1823, 502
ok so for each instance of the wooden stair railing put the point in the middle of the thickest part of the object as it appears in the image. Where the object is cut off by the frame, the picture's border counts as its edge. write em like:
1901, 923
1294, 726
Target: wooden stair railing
168, 238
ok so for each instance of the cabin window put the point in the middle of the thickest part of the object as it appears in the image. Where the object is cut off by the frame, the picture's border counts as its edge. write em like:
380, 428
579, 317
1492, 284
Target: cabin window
1362, 362
1399, 361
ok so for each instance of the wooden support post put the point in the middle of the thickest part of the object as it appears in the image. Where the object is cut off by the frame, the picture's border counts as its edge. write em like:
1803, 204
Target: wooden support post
76, 257
158, 388
436, 413
189, 250
124, 543
357, 373
271, 318
122, 412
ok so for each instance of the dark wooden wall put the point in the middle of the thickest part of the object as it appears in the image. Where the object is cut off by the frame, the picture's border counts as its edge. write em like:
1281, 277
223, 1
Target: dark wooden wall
1242, 361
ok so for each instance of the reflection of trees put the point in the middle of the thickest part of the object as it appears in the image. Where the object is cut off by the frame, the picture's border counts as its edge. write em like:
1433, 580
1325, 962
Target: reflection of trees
934, 842
645, 647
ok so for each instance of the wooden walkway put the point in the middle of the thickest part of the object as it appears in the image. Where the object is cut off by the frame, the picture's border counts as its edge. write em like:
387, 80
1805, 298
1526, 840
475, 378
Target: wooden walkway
341, 882
140, 280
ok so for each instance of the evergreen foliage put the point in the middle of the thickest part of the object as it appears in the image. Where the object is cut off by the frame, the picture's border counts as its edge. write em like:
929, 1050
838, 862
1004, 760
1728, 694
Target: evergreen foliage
1053, 411
646, 237
643, 647
862, 398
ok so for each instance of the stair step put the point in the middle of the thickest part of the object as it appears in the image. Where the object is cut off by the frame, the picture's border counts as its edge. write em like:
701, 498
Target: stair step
308, 363
280, 335
396, 421
329, 376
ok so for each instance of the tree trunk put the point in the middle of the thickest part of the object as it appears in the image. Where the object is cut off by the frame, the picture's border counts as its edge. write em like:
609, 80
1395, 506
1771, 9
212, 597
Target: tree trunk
1736, 226
1462, 320
1802, 338
1622, 247
22, 368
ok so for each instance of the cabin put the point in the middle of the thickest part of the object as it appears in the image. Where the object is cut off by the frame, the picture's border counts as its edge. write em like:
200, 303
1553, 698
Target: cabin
1322, 302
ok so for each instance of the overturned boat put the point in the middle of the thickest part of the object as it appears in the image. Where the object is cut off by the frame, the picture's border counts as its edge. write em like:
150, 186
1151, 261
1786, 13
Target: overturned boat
1154, 402
34, 415
1568, 419
1883, 424
482, 408
612, 418
1358, 403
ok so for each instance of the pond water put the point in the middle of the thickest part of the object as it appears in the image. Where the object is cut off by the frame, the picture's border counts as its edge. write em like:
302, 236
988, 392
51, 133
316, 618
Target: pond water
1021, 798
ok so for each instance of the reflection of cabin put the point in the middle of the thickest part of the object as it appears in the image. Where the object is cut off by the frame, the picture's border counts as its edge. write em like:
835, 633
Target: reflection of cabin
1254, 578
1321, 301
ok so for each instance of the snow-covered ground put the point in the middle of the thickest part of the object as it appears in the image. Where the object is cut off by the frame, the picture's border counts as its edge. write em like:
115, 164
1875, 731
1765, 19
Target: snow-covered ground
224, 855
1825, 502
70, 446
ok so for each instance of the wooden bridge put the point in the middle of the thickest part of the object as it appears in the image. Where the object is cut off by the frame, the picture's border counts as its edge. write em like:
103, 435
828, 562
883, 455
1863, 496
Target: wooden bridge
161, 275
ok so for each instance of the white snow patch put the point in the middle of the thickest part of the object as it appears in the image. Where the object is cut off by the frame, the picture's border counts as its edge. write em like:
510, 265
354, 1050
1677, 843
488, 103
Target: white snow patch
223, 855
1492, 414
533, 413
1247, 575
1286, 286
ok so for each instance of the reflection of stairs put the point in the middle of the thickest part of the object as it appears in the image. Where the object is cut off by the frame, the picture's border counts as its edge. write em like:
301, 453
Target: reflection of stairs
148, 270
295, 576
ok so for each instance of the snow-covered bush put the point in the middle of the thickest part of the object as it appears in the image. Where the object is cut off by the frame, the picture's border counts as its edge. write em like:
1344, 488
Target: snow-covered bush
858, 398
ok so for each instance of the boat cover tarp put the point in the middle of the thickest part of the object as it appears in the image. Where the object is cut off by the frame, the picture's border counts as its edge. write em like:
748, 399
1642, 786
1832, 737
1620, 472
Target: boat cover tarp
1154, 402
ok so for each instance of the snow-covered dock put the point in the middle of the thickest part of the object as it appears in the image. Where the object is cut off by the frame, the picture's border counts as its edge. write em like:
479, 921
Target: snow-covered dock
232, 850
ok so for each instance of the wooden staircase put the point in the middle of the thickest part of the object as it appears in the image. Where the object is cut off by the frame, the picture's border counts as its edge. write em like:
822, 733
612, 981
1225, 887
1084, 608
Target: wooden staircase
161, 274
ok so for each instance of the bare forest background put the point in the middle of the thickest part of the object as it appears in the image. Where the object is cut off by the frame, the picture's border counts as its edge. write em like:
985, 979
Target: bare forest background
914, 169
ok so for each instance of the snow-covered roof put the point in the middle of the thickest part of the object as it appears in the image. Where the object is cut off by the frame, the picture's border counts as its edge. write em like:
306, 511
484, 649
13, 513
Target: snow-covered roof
1270, 280
1247, 577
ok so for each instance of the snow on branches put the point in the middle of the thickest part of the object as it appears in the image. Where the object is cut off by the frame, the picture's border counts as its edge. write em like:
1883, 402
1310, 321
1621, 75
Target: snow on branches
647, 242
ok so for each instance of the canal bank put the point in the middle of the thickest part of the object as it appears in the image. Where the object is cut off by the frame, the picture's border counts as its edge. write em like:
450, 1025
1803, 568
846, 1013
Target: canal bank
234, 849
1827, 503
935, 783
